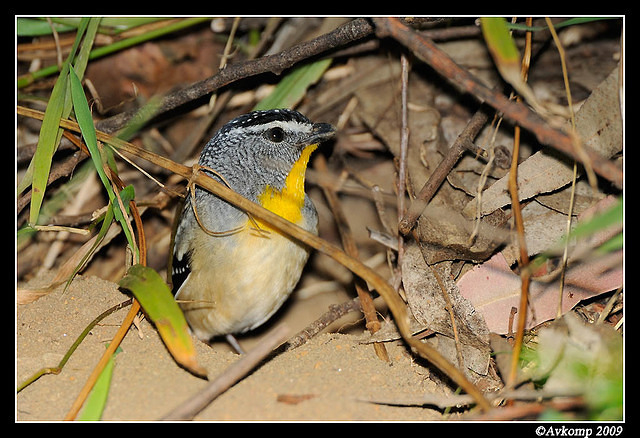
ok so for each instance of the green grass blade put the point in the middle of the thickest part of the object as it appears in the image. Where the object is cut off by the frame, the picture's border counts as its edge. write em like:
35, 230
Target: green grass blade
59, 106
31, 27
292, 88
610, 217
48, 141
158, 302
97, 400
565, 23
140, 118
82, 58
85, 121
607, 219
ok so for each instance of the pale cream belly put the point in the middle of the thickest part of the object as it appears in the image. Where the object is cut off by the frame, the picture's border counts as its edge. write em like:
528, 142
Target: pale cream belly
248, 278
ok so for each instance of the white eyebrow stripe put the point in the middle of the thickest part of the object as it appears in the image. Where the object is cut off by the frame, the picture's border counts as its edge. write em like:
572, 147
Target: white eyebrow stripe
287, 125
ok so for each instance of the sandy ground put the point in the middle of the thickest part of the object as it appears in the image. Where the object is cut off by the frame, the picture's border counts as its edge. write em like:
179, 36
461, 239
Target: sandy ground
329, 378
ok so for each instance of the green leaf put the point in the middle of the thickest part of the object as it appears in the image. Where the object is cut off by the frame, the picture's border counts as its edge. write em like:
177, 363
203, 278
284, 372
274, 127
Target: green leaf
607, 219
97, 400
501, 44
292, 88
85, 121
506, 56
158, 302
48, 141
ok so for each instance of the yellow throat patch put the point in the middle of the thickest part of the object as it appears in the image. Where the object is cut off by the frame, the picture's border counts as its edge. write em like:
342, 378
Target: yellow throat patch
289, 201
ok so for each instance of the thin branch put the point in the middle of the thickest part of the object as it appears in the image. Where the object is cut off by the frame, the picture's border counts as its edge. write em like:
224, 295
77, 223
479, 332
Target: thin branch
335, 312
58, 369
350, 247
463, 142
401, 181
525, 275
230, 376
352, 31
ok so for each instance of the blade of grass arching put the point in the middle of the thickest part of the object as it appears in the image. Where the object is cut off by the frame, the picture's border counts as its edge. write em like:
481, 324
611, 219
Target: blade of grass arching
97, 400
59, 106
292, 88
82, 58
48, 141
156, 299
85, 121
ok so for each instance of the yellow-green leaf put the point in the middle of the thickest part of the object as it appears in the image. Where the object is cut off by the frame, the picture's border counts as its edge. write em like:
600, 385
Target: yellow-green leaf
500, 43
48, 140
506, 56
158, 302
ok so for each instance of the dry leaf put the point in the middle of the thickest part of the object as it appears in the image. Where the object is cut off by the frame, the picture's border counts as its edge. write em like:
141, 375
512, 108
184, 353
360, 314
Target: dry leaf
599, 125
493, 289
426, 301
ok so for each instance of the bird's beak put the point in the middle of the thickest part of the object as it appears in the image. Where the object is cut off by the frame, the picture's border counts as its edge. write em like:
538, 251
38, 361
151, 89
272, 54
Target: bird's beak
320, 132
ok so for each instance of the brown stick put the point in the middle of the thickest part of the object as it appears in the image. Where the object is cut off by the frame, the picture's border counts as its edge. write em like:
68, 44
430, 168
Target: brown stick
463, 142
350, 247
233, 374
335, 312
352, 31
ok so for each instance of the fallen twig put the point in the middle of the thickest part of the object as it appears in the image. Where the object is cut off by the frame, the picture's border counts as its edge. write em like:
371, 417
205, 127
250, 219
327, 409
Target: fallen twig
334, 313
350, 247
233, 374
58, 368
463, 142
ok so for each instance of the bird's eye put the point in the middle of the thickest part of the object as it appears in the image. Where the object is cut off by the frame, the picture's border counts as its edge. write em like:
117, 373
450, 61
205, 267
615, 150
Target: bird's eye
275, 134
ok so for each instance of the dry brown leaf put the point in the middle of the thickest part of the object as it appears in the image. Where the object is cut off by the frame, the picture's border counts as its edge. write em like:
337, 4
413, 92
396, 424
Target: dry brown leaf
599, 125
428, 305
493, 289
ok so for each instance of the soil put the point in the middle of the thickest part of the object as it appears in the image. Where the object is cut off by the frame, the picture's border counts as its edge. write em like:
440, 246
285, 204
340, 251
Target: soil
329, 378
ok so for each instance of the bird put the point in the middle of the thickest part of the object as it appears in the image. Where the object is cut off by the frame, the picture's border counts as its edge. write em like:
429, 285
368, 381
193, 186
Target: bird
230, 272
